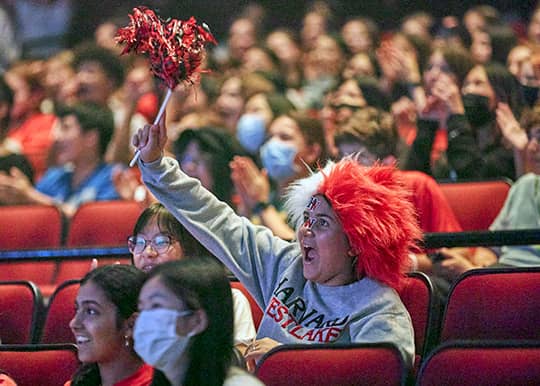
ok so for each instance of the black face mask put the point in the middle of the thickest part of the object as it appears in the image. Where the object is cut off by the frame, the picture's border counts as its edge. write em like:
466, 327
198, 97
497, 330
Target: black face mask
477, 109
530, 94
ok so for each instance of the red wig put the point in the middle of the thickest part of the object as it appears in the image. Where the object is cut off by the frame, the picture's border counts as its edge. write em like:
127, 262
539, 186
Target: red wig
376, 213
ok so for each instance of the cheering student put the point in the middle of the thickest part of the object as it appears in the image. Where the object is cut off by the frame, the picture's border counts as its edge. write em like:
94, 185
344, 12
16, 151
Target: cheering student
335, 283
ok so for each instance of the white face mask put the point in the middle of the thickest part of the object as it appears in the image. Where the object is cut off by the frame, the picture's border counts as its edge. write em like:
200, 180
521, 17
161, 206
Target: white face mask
156, 340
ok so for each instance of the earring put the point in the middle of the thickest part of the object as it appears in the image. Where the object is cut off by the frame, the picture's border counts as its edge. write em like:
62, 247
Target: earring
354, 260
126, 341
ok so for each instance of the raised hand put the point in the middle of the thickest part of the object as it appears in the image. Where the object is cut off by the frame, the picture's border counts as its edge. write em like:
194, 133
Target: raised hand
15, 187
510, 127
446, 89
150, 140
251, 184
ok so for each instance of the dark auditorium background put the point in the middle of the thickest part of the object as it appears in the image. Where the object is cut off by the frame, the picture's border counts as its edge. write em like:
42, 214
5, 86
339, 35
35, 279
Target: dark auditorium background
219, 13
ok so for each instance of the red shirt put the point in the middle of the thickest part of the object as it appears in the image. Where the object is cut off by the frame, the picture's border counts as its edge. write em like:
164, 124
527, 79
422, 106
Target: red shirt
142, 377
434, 211
35, 138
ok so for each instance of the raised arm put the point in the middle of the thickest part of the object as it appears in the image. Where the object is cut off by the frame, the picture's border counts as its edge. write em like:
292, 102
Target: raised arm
251, 252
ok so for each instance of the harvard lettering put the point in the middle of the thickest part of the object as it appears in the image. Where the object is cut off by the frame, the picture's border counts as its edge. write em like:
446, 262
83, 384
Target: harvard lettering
292, 315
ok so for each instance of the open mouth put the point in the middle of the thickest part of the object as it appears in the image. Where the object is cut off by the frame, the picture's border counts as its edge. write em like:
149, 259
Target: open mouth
148, 268
308, 255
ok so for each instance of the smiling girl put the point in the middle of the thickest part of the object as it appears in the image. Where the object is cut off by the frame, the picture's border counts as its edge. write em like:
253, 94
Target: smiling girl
105, 313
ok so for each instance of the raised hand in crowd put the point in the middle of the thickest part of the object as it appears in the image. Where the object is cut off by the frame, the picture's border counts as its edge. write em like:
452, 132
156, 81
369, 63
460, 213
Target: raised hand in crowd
129, 186
510, 127
447, 91
253, 188
14, 187
251, 183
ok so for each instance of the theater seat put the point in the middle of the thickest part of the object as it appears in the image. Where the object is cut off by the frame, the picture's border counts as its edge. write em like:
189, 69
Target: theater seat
482, 363
103, 223
28, 227
476, 203
21, 305
322, 365
100, 223
256, 311
495, 304
39, 365
417, 296
60, 311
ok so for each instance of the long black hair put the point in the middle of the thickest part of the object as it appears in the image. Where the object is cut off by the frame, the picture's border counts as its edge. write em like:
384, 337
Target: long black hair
202, 284
121, 284
506, 87
221, 147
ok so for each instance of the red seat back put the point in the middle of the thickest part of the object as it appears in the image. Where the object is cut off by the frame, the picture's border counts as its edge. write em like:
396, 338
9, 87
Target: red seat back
490, 303
27, 227
256, 311
322, 365
476, 203
99, 223
475, 364
30, 226
103, 223
43, 365
60, 311
21, 305
417, 296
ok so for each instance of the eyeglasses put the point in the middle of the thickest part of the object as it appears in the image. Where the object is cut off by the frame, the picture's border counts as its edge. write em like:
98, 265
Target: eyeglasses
160, 244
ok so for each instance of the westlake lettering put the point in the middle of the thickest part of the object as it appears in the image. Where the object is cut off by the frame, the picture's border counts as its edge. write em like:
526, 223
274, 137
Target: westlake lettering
292, 314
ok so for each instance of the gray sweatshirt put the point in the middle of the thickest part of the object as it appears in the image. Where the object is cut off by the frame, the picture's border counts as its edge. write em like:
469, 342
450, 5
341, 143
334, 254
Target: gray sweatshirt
296, 310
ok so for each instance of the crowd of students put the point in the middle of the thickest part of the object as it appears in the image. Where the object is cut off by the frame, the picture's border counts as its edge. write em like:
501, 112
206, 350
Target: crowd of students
332, 139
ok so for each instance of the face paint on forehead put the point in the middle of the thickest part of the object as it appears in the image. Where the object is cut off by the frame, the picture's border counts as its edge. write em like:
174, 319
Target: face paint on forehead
313, 203
311, 206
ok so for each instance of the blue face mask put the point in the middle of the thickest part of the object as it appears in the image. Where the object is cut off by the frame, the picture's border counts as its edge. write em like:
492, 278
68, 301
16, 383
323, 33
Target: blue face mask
250, 132
278, 159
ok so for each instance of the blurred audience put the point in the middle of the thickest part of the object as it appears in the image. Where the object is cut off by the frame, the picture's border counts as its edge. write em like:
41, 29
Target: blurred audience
29, 127
81, 174
10, 156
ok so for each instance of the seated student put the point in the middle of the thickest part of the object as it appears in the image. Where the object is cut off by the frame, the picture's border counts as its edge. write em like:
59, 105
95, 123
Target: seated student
293, 141
81, 175
371, 135
335, 283
476, 146
29, 128
158, 237
101, 79
185, 325
10, 156
203, 153
521, 209
105, 313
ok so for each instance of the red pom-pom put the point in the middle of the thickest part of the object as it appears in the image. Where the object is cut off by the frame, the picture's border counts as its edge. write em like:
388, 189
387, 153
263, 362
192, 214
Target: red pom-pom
175, 49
